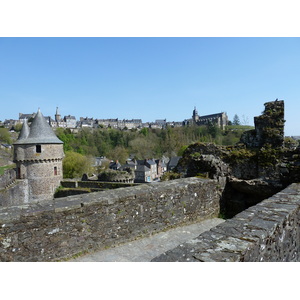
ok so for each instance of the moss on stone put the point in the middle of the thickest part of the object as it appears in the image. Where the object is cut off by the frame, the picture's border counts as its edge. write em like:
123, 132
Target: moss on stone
269, 157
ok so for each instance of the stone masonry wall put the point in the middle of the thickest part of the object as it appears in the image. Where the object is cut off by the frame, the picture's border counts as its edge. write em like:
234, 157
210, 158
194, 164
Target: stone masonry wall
53, 230
267, 232
95, 184
15, 194
42, 180
7, 178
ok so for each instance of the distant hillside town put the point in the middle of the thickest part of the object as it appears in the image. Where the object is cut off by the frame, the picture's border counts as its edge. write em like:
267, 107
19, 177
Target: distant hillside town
220, 119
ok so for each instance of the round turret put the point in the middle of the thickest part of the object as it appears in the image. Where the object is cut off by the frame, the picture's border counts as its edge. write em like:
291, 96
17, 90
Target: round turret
38, 154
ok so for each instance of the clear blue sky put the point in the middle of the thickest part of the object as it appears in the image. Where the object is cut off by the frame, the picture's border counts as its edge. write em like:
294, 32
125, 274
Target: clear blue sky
150, 78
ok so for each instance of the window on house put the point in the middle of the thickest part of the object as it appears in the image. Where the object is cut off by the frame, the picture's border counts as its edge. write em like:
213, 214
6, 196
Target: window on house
38, 149
55, 171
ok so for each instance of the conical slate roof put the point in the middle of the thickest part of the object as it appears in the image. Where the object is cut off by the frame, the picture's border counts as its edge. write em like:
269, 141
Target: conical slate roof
40, 132
24, 132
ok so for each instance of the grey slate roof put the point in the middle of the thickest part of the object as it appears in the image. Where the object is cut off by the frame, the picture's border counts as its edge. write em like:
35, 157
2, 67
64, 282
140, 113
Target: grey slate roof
142, 168
26, 116
25, 131
151, 162
174, 161
40, 132
115, 165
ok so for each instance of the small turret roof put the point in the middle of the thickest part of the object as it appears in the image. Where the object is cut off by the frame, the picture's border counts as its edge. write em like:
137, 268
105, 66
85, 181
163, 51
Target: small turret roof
40, 132
24, 131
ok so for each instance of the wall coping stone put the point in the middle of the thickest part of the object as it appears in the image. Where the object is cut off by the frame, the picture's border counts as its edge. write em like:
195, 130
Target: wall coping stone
62, 227
268, 231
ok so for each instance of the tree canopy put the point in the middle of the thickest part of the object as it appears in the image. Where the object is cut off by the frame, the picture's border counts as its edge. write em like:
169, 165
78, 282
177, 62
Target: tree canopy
236, 120
146, 143
5, 136
75, 165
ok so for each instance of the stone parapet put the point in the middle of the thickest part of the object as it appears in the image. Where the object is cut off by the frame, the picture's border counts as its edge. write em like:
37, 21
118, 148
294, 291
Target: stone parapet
267, 232
96, 184
57, 229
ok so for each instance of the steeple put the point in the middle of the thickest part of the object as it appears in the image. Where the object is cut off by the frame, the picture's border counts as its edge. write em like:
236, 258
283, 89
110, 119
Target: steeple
57, 115
195, 115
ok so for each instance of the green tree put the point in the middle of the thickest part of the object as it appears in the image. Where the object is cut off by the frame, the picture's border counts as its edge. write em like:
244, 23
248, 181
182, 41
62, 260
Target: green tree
18, 127
5, 136
142, 148
144, 131
213, 130
76, 164
236, 120
119, 153
181, 150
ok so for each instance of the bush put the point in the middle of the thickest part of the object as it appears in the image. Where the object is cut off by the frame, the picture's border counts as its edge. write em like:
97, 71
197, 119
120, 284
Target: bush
76, 164
170, 176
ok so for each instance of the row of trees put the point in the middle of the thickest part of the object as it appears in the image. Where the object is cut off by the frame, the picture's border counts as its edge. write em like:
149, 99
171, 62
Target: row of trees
118, 145
115, 144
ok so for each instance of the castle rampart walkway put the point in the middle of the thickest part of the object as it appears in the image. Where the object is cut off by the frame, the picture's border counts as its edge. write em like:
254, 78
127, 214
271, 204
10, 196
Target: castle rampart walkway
145, 249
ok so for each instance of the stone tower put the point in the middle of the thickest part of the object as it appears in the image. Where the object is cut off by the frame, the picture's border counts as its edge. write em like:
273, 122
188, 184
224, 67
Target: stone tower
38, 155
57, 115
195, 116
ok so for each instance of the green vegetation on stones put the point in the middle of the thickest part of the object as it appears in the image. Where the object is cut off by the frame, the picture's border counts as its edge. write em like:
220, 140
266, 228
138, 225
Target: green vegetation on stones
237, 155
170, 176
268, 156
2, 169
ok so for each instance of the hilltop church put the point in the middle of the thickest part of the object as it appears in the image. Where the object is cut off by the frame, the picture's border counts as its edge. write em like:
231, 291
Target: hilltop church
220, 119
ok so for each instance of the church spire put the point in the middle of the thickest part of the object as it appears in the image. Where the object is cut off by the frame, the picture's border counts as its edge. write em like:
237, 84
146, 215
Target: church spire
195, 115
57, 115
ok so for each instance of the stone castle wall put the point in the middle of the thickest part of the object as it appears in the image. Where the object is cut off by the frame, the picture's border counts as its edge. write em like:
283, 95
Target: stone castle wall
267, 232
15, 194
52, 230
7, 178
12, 191
96, 184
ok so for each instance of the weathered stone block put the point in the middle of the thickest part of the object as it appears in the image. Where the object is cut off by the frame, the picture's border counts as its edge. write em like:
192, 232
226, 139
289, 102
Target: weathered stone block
269, 231
60, 228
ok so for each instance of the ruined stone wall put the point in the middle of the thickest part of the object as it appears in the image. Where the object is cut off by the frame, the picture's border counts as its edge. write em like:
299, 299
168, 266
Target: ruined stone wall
269, 127
267, 232
52, 230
